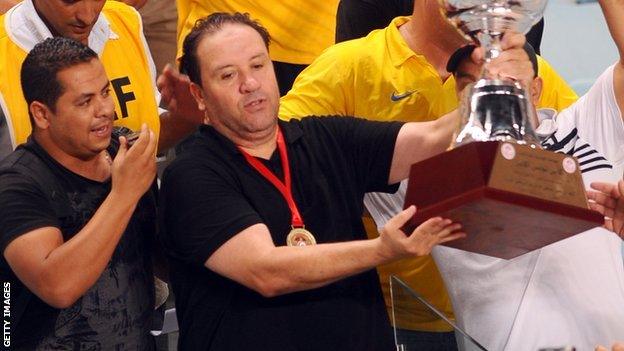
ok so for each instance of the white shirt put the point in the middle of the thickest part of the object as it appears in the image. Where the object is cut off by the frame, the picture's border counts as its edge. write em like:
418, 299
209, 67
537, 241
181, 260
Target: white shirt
568, 293
27, 29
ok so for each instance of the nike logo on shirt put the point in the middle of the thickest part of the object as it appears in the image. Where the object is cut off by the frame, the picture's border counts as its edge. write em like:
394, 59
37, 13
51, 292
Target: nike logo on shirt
397, 97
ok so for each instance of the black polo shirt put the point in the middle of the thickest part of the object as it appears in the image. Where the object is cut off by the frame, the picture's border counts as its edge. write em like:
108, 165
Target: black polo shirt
211, 193
357, 18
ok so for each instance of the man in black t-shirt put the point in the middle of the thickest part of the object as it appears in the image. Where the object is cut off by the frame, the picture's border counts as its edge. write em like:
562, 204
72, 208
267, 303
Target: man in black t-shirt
263, 219
76, 223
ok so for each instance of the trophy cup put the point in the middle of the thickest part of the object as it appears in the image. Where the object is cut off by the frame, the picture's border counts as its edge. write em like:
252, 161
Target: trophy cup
494, 109
510, 195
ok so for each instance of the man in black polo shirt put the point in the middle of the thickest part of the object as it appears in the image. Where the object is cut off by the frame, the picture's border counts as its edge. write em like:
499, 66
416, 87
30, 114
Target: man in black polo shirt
262, 219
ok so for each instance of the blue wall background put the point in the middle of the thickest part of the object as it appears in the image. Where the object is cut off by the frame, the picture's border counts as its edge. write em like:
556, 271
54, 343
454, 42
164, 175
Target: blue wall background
577, 42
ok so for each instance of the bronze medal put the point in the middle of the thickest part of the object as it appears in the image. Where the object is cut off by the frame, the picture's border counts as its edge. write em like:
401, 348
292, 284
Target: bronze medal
300, 237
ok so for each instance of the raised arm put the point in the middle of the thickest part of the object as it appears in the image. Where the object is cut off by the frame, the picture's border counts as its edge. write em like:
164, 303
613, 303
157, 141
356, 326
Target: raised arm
419, 141
5, 5
60, 272
182, 116
613, 11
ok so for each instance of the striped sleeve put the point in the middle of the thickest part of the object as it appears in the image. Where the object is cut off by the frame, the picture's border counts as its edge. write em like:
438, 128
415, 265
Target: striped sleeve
568, 142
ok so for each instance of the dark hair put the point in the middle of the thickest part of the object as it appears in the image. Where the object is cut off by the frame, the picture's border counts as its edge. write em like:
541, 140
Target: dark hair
464, 52
189, 62
42, 64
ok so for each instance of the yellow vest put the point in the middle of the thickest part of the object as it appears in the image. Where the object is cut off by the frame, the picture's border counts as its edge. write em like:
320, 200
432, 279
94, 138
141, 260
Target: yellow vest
125, 62
299, 29
380, 78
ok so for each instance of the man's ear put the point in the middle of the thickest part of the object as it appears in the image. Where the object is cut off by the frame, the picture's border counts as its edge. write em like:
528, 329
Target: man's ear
536, 90
198, 95
41, 114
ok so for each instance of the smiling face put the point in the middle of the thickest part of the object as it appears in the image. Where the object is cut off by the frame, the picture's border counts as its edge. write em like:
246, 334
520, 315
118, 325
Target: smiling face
70, 18
81, 121
238, 92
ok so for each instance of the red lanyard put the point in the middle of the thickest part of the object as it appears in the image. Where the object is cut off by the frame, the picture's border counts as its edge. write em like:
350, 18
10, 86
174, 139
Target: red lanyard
283, 187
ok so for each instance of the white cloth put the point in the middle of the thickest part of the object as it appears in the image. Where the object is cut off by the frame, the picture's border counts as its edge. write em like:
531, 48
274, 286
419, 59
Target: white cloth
598, 119
26, 29
568, 293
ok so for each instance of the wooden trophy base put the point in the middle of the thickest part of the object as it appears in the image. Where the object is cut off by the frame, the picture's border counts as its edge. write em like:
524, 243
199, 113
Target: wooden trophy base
510, 199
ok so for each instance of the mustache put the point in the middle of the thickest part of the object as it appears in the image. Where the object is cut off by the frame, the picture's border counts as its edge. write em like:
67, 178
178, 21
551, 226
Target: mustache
81, 23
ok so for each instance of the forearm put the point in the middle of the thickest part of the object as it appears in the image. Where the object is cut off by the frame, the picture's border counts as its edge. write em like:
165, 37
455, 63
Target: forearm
172, 130
418, 141
287, 269
5, 5
614, 12
73, 267
251, 259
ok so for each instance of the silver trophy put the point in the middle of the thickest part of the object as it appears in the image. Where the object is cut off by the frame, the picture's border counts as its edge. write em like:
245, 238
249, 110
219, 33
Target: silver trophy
494, 109
511, 196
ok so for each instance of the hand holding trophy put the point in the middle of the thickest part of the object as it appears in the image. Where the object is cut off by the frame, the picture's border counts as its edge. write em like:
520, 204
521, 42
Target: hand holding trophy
494, 108
510, 195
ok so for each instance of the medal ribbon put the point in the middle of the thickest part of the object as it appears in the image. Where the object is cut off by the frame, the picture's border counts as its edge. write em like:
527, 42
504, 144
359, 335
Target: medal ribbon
283, 187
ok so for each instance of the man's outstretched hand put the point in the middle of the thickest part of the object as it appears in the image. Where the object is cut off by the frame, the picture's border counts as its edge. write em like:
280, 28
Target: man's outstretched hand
609, 201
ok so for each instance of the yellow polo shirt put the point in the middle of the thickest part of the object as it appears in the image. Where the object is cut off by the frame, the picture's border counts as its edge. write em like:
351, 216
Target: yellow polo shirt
299, 29
379, 77
125, 60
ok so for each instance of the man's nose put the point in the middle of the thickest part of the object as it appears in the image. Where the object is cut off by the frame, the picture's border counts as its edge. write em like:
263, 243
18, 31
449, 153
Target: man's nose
87, 12
249, 84
106, 107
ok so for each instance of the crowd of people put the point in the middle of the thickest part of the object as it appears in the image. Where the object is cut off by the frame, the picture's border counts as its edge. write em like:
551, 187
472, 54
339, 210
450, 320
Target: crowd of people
290, 129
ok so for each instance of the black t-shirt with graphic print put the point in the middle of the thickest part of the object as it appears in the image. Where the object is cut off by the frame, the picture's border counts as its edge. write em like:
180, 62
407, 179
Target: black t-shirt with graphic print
115, 313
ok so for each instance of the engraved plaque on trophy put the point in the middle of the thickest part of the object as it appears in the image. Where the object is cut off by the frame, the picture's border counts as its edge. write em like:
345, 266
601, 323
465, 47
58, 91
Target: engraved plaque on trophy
510, 195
